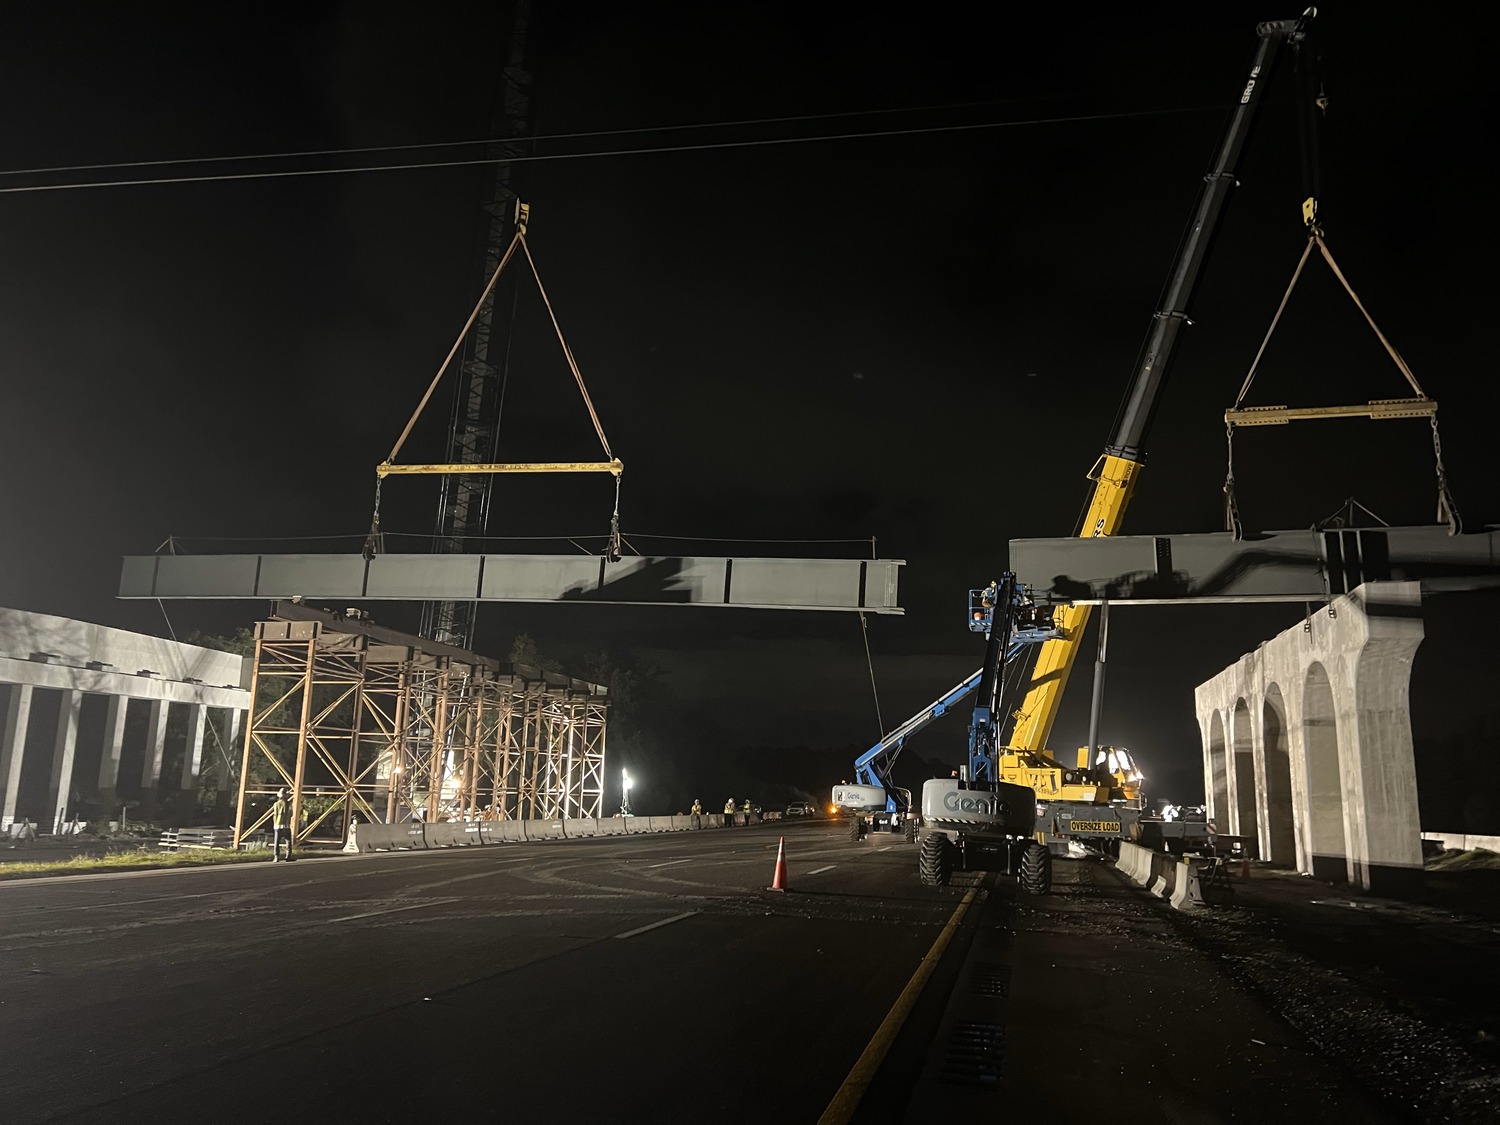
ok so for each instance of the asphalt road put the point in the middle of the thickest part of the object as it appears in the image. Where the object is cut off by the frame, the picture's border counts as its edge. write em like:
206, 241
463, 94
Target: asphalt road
656, 978
618, 979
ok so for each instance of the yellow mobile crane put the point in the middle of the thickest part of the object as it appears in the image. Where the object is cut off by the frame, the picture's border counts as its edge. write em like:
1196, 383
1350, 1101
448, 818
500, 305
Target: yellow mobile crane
1098, 798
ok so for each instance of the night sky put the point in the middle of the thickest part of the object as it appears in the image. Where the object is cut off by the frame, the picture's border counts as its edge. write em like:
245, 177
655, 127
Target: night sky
921, 339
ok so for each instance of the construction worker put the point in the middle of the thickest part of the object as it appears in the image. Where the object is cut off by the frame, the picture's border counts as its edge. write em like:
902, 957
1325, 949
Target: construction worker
281, 818
729, 813
748, 811
697, 813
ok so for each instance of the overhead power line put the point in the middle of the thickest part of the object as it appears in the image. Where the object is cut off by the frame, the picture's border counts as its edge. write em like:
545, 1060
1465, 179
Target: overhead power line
424, 145
705, 146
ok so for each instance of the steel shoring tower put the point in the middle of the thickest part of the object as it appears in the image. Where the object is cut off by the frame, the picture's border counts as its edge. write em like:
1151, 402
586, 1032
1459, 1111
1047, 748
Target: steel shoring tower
361, 721
309, 730
464, 503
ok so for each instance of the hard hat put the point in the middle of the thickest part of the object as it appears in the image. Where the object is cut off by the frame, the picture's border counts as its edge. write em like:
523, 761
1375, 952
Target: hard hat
281, 792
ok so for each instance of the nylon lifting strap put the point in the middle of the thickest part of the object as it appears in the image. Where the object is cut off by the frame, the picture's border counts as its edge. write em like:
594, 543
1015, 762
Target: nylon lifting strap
1447, 510
374, 543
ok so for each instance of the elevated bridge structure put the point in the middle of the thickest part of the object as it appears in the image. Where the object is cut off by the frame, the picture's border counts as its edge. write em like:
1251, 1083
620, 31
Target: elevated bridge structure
1307, 740
51, 668
363, 723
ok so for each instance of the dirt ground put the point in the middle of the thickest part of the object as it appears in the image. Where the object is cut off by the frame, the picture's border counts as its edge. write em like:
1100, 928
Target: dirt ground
1395, 990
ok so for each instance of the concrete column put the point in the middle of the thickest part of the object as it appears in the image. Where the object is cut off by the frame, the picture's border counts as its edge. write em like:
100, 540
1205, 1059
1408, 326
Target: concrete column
60, 785
1384, 826
234, 750
13, 750
156, 745
192, 758
109, 760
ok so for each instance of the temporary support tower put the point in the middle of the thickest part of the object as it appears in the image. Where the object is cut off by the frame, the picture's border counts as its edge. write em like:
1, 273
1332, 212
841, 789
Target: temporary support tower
356, 720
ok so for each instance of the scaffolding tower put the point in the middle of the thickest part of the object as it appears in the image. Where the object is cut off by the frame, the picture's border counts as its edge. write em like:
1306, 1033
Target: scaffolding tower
360, 722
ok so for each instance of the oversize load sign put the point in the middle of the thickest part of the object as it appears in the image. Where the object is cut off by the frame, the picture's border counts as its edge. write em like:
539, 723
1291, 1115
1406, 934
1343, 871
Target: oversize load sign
1095, 827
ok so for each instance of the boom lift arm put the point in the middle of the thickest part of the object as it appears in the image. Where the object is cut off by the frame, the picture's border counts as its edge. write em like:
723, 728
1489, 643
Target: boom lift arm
1118, 467
873, 767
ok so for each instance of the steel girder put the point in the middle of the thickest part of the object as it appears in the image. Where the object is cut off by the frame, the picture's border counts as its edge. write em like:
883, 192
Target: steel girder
1275, 566
858, 585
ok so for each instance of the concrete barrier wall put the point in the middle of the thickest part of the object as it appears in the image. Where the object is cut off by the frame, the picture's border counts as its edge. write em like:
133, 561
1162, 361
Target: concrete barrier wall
409, 835
1157, 871
1179, 881
403, 836
1187, 893
1134, 863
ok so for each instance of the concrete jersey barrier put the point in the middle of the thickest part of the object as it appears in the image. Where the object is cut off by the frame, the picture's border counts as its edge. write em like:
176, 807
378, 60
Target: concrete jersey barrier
409, 835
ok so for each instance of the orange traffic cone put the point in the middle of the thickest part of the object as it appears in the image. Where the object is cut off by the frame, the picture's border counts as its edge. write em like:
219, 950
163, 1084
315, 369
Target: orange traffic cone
779, 882
1244, 869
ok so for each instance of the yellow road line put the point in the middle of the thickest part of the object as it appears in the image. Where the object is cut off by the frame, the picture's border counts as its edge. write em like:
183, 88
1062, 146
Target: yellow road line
844, 1103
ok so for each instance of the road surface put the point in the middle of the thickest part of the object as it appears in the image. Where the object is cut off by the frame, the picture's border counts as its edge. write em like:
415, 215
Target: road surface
647, 978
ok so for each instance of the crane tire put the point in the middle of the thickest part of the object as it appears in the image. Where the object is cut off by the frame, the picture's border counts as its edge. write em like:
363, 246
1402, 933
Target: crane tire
1036, 869
936, 864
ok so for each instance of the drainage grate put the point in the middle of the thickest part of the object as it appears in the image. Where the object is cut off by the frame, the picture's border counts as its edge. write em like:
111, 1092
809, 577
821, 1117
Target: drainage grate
973, 1055
990, 980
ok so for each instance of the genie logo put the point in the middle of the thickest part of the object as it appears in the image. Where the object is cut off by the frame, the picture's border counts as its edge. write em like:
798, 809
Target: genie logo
960, 802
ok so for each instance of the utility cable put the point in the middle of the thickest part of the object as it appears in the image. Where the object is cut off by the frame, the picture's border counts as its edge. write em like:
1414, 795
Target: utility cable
864, 632
418, 146
178, 542
706, 146
713, 539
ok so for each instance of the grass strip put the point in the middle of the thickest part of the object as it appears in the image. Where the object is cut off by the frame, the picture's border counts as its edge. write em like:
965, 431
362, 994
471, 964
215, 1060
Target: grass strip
126, 861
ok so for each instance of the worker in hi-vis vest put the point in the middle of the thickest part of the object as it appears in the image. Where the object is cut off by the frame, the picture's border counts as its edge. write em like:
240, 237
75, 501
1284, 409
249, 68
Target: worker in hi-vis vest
281, 820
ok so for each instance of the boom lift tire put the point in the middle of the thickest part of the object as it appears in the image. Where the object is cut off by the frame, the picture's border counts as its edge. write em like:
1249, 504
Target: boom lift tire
1036, 869
910, 829
936, 864
856, 829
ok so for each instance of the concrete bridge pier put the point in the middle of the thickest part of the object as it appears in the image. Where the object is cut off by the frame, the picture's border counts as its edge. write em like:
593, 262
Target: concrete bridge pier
1307, 743
114, 745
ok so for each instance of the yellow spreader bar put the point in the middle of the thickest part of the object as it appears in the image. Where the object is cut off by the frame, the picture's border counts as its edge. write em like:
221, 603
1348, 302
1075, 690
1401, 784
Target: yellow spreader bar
1378, 409
615, 467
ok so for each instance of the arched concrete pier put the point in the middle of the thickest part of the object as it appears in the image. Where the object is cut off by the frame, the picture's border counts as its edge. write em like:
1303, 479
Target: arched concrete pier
1307, 743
